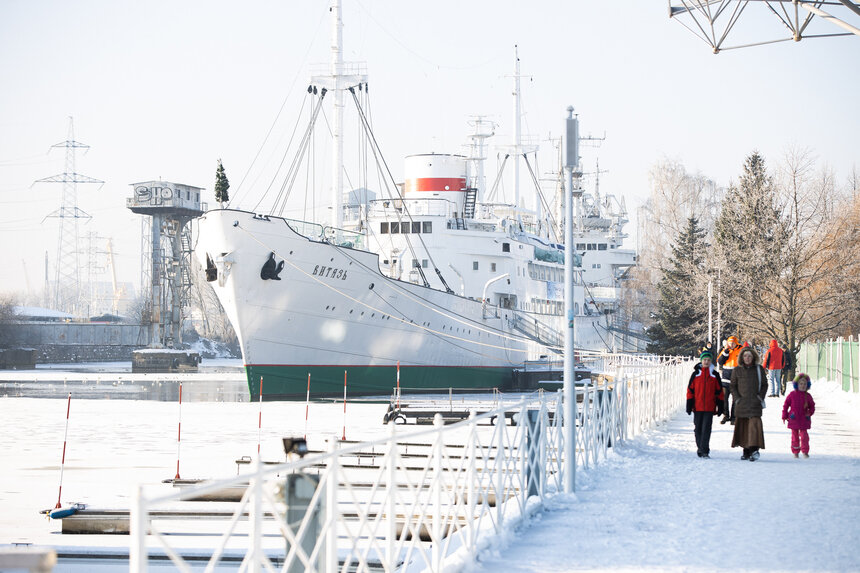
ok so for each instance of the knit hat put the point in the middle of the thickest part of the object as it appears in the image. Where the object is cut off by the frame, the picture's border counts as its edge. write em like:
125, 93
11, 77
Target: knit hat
801, 376
733, 339
706, 354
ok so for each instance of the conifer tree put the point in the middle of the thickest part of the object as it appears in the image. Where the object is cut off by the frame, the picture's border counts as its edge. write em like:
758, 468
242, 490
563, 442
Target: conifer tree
683, 307
221, 185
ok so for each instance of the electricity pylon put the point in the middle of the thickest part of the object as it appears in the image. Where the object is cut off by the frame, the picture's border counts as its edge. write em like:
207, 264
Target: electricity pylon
67, 274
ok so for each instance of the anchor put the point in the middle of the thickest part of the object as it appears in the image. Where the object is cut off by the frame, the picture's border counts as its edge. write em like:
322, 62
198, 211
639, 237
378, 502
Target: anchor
271, 270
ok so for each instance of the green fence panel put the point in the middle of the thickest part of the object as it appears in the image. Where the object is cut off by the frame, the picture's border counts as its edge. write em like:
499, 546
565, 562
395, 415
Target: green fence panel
839, 361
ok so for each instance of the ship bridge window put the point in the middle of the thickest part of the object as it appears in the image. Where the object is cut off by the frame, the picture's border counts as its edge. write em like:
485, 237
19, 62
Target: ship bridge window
395, 228
580, 246
601, 247
415, 264
506, 247
416, 227
427, 226
424, 263
383, 228
404, 228
474, 265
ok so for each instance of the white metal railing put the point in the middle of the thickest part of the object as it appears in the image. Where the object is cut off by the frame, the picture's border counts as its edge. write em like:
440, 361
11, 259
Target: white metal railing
426, 496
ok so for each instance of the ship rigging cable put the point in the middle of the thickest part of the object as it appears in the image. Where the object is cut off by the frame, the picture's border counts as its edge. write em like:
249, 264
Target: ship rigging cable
293, 171
377, 153
540, 195
238, 192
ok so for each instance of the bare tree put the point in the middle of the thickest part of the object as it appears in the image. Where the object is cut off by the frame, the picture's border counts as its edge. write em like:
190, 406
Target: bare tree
676, 196
785, 251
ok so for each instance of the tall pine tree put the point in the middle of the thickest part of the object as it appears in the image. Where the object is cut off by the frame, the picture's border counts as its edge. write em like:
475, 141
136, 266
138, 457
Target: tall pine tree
221, 185
683, 306
750, 237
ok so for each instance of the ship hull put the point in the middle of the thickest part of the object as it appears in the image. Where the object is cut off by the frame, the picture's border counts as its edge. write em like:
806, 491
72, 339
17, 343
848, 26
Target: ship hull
331, 311
293, 382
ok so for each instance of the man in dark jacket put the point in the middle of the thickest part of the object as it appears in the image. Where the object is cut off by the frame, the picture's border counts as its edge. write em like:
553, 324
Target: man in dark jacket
787, 368
705, 397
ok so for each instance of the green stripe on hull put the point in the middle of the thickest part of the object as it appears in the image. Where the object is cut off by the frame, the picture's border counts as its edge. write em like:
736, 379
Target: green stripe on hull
291, 382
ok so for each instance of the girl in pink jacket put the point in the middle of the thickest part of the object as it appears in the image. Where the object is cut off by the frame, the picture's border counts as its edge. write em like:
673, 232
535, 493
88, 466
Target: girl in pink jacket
797, 411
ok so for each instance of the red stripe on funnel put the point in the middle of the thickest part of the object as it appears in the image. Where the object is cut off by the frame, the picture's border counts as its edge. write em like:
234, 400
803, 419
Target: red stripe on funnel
436, 184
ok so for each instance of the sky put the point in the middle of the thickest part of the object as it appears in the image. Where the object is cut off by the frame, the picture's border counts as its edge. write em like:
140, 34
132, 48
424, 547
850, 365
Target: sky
164, 89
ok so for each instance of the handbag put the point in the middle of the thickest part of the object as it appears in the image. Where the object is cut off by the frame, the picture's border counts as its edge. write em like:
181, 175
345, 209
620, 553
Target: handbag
758, 371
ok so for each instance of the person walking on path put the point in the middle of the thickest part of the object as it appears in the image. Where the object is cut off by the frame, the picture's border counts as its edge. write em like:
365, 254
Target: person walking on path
774, 360
787, 367
797, 411
705, 398
749, 387
728, 360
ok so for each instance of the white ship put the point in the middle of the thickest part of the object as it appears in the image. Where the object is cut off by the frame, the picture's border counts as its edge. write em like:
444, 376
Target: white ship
435, 286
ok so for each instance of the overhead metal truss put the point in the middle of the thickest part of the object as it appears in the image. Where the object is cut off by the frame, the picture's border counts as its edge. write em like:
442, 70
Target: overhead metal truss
714, 21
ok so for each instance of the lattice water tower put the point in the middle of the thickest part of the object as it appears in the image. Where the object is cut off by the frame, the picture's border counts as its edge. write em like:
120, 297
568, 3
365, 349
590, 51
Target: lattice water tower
172, 206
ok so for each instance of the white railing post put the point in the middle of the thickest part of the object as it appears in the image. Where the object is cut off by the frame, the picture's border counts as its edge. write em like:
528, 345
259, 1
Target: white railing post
471, 474
438, 488
543, 425
331, 509
139, 519
500, 477
391, 486
256, 517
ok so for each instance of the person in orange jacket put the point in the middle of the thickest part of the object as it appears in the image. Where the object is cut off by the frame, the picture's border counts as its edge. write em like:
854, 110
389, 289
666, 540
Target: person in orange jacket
728, 360
773, 362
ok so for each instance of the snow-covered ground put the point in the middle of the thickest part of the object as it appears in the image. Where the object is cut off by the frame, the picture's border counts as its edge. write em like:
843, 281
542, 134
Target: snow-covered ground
655, 506
652, 506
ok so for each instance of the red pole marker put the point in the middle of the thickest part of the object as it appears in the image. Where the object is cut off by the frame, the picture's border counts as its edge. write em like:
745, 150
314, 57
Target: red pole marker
63, 461
307, 403
260, 418
344, 405
179, 432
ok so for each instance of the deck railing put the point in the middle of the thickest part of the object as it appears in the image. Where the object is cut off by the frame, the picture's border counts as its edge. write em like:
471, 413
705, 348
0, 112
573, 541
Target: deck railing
413, 501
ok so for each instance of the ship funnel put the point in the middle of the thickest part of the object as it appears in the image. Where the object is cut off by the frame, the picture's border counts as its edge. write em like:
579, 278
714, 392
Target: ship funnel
437, 176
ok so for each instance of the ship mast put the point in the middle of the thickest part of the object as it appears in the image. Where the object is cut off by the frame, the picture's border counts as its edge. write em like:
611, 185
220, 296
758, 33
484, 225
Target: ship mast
517, 128
337, 128
341, 76
517, 150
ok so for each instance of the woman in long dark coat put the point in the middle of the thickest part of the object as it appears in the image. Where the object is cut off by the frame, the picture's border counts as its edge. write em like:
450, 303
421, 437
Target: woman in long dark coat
748, 387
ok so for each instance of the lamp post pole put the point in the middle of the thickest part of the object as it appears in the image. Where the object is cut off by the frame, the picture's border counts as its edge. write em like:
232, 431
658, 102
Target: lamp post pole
571, 169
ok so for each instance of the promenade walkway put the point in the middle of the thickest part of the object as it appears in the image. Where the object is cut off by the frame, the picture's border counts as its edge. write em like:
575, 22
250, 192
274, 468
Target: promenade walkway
655, 506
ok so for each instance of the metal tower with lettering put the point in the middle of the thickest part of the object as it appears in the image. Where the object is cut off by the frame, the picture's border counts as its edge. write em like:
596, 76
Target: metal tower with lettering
172, 206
